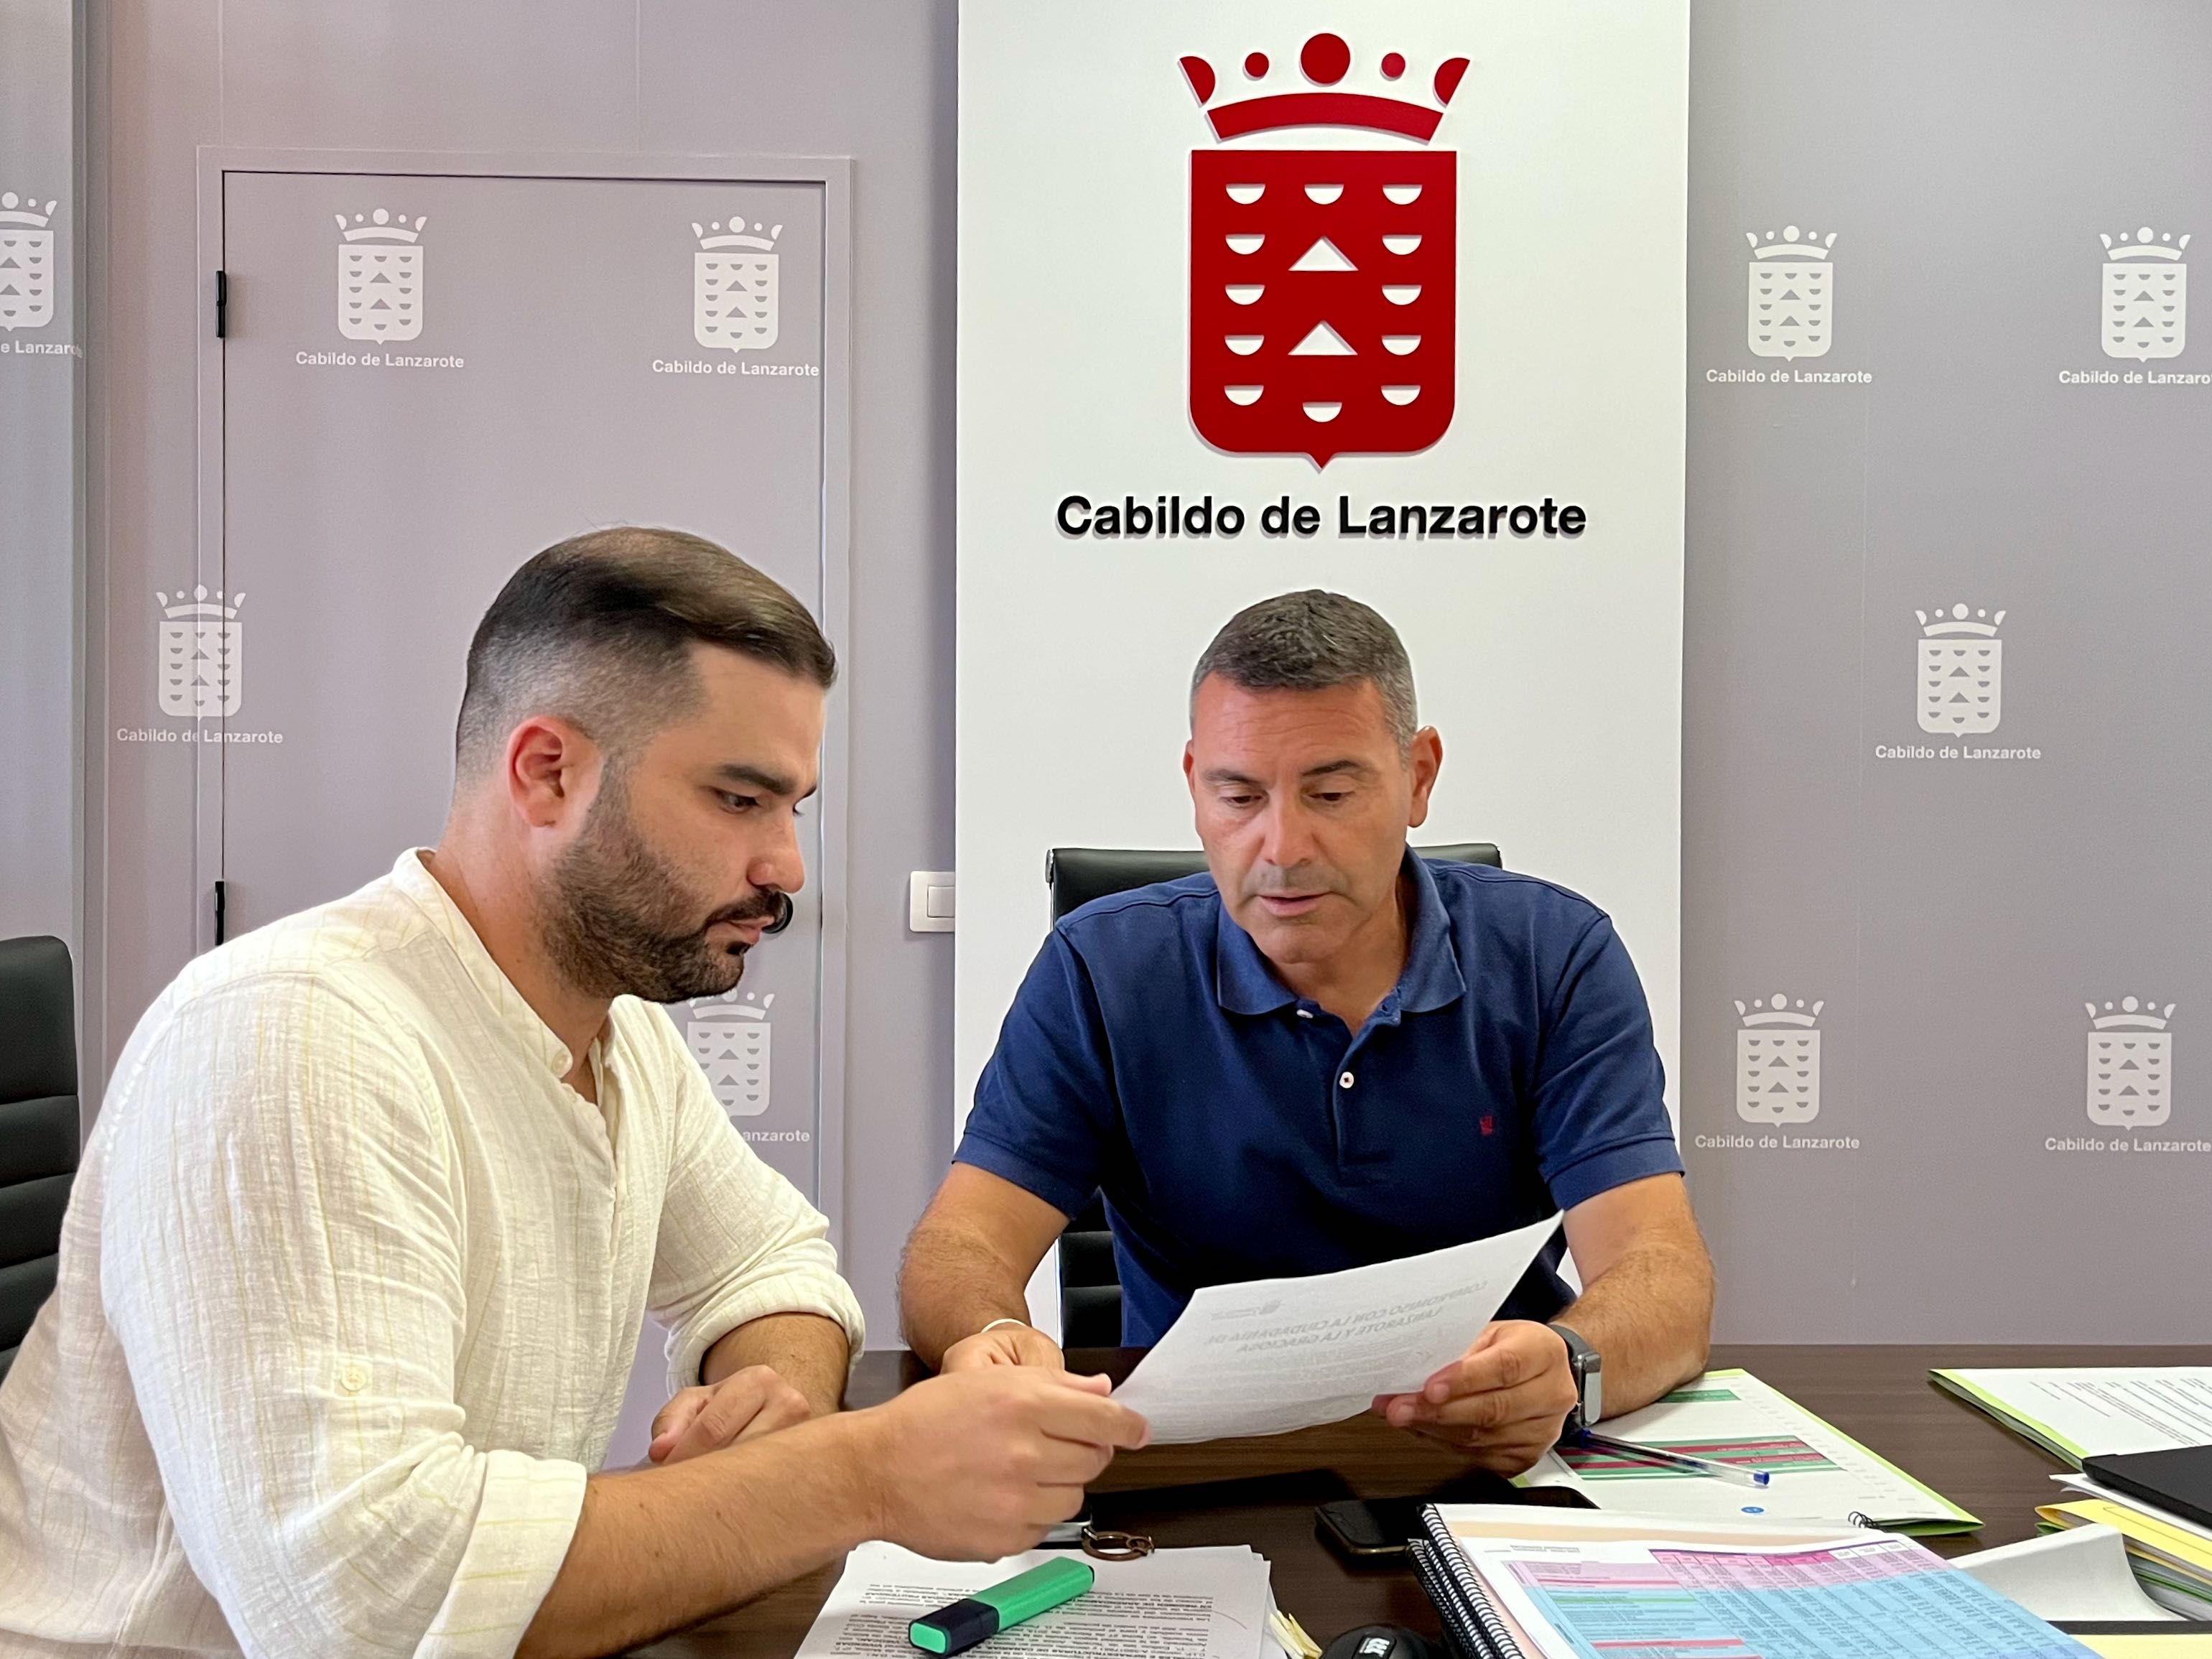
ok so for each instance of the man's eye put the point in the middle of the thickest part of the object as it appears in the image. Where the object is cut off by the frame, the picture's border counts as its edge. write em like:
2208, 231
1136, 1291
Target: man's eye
1239, 801
740, 803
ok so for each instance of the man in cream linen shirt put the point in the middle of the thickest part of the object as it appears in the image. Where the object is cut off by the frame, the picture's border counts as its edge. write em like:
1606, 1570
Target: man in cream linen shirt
354, 1272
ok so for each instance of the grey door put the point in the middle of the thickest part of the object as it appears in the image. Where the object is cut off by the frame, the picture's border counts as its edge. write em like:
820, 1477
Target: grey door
425, 379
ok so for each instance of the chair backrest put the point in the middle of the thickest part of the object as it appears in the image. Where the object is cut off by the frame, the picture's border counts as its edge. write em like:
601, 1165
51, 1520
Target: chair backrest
39, 1126
1078, 875
1090, 1283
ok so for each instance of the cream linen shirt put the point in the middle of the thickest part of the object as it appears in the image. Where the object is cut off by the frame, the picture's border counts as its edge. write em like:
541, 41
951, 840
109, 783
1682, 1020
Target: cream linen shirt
351, 1286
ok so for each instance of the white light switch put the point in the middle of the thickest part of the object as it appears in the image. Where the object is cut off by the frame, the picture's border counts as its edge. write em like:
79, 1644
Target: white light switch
930, 900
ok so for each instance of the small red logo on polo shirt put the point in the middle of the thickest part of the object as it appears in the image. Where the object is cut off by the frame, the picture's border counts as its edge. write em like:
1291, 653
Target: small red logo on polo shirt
1489, 1126
1323, 282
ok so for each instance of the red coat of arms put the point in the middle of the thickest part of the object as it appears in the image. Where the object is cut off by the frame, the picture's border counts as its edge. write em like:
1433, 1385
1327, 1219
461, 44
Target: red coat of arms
1322, 281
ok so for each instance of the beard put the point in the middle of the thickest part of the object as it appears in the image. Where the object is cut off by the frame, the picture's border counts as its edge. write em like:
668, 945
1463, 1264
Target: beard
619, 920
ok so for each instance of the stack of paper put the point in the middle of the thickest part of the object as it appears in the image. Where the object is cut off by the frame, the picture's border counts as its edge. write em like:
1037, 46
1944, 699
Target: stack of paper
2172, 1556
1817, 1472
2091, 1411
1173, 1604
1571, 1585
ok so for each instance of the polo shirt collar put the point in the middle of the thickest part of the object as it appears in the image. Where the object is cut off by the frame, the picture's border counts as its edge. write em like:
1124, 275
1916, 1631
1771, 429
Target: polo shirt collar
412, 877
1244, 983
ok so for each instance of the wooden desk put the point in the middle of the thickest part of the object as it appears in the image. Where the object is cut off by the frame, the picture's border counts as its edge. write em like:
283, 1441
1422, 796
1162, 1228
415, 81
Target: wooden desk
1262, 1492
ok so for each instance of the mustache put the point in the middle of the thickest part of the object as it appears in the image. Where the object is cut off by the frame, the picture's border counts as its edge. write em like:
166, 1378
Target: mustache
771, 905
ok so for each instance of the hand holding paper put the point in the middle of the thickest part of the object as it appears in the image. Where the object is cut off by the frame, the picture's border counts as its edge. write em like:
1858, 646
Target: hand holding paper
1278, 1354
1504, 1400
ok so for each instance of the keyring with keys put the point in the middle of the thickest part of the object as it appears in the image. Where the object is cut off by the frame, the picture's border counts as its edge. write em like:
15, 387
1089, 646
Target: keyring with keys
1103, 1544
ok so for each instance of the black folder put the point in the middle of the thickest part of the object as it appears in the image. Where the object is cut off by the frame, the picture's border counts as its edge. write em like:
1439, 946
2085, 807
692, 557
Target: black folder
2178, 1481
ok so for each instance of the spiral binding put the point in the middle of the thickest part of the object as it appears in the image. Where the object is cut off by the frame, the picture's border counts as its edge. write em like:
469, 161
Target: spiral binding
1463, 1595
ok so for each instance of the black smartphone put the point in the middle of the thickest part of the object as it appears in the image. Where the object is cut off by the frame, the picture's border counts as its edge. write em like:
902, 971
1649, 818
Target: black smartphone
1376, 1528
1369, 1529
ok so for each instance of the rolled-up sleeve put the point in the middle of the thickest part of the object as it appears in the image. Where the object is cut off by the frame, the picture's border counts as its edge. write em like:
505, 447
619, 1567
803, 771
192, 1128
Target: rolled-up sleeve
738, 1242
282, 1263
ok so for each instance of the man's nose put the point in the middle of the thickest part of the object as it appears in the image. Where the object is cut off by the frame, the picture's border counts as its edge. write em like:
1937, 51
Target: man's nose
1287, 837
781, 865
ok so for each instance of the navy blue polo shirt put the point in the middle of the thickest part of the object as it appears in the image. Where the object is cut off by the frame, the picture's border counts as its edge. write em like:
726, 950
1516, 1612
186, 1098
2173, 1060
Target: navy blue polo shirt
1239, 1132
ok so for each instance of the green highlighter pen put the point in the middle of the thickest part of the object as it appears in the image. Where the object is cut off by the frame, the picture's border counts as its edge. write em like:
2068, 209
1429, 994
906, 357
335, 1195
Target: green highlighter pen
980, 1617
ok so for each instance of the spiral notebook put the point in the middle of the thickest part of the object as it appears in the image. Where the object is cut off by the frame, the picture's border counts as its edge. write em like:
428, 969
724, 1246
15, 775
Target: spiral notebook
1509, 1583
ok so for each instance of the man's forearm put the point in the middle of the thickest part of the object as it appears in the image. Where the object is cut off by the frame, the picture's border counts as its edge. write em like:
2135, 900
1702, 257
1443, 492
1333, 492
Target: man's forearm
1650, 1316
807, 1350
952, 1284
658, 1549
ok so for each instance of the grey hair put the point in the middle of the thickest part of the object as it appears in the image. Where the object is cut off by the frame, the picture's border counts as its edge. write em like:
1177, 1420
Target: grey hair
1312, 641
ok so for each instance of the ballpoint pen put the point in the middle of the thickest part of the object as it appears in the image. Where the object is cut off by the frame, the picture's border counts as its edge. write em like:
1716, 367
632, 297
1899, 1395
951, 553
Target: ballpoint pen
1666, 1458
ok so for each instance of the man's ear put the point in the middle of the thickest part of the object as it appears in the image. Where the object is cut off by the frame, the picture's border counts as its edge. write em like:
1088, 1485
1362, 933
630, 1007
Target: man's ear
552, 771
1425, 760
1190, 770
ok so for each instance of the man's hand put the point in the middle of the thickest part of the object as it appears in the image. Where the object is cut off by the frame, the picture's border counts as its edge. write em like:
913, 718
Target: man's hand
1005, 1344
982, 1464
752, 1402
1504, 1400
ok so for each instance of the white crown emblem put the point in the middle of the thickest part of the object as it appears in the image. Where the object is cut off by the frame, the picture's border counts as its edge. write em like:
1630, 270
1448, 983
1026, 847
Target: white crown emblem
2130, 1074
734, 285
199, 652
380, 226
27, 263
2144, 302
199, 605
735, 234
1777, 1011
2142, 246
19, 211
380, 275
1959, 689
1945, 624
2133, 1016
1777, 1061
1792, 244
1791, 310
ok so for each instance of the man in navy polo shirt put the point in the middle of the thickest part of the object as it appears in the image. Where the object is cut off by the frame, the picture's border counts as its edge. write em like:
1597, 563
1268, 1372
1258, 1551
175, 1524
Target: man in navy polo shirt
1328, 1052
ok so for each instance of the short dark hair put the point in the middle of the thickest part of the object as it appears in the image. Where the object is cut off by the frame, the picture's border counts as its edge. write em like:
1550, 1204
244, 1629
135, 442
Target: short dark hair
598, 629
1311, 640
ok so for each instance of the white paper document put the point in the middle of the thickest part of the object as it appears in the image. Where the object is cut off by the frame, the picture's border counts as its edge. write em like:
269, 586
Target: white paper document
1173, 1604
2081, 1574
2089, 1411
1277, 1354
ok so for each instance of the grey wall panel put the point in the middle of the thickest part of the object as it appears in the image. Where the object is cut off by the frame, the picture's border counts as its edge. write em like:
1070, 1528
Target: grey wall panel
1955, 912
41, 399
871, 80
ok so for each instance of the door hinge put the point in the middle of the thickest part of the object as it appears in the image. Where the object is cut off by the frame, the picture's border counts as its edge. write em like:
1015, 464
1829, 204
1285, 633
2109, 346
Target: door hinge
220, 919
222, 307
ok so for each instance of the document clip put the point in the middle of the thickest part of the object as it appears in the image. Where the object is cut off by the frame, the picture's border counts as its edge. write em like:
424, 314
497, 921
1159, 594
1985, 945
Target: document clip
1102, 1545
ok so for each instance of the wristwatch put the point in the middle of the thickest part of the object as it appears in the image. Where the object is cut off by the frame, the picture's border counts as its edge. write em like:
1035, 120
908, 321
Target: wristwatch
1590, 1382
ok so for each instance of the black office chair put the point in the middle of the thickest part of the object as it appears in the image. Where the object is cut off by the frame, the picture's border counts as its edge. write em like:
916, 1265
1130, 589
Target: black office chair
39, 1126
1090, 1283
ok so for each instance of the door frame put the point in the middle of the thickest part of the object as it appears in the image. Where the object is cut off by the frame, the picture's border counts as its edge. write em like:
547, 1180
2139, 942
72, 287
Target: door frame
834, 176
